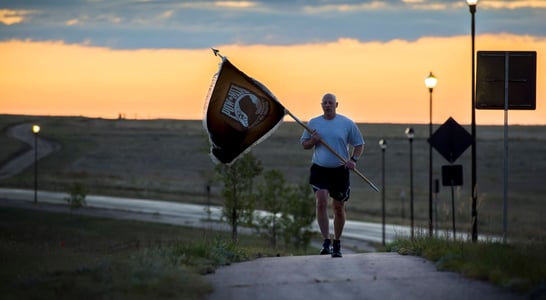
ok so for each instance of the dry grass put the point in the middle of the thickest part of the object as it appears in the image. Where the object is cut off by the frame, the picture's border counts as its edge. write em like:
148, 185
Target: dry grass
57, 255
520, 267
168, 160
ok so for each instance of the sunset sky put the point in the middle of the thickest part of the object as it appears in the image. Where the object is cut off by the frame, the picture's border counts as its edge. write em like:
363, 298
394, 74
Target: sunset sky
152, 59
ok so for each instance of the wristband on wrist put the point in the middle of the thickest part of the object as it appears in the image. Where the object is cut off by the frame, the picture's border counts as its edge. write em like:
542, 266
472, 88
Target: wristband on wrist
354, 159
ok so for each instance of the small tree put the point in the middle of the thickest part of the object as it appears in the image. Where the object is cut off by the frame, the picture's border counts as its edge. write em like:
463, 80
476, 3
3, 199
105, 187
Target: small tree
239, 197
272, 194
291, 210
77, 194
298, 216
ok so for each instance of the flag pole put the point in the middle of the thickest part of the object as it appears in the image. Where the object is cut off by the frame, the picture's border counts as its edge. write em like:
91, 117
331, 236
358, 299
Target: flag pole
332, 150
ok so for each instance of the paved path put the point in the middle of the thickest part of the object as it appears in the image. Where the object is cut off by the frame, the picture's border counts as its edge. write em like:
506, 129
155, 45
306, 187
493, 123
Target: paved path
355, 276
23, 132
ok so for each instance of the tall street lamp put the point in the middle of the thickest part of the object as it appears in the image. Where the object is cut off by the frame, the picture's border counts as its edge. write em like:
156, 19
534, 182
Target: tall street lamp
410, 134
472, 6
430, 83
35, 130
383, 145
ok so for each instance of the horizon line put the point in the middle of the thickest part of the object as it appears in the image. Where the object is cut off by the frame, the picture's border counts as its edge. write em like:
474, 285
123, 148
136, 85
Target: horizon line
289, 120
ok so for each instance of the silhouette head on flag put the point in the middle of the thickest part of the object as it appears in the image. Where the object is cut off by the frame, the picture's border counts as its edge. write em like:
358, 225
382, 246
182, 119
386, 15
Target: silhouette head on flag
240, 113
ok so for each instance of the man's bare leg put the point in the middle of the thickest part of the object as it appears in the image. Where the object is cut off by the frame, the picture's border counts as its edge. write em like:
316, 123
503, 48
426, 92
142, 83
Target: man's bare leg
322, 213
339, 218
339, 223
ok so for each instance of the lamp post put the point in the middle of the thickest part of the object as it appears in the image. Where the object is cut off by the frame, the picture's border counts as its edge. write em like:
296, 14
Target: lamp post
35, 130
430, 83
383, 145
472, 6
410, 134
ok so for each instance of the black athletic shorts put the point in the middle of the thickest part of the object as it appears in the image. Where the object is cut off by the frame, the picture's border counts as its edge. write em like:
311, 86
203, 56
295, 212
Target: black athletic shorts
335, 180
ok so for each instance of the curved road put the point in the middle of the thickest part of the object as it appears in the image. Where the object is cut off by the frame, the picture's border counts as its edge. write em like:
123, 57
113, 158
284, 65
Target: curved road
163, 211
23, 132
151, 210
359, 234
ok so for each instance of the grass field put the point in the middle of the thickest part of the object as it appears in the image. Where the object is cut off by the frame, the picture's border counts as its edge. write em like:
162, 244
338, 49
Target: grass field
67, 256
47, 255
168, 160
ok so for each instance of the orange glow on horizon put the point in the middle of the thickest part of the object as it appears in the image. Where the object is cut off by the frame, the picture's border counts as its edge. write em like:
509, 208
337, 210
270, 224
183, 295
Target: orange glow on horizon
374, 81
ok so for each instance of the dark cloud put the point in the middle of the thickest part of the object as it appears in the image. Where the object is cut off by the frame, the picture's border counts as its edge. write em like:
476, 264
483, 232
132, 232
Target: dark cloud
201, 24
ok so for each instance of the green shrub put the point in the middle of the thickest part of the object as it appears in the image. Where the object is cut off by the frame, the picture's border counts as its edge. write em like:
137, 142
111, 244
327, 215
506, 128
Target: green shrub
77, 193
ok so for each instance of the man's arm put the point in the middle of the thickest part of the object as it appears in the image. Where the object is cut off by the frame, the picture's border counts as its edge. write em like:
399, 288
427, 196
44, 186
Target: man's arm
357, 151
312, 141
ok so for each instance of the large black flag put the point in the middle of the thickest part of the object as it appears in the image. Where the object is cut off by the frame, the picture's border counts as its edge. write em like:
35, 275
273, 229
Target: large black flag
240, 112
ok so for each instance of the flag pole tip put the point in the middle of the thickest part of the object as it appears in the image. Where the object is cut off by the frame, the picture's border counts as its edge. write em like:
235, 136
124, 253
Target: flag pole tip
216, 52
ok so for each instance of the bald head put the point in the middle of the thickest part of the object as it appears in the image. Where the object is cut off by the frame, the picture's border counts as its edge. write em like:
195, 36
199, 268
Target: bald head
329, 105
329, 97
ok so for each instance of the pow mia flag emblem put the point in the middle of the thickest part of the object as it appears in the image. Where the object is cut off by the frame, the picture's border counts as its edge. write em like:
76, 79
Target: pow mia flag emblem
244, 106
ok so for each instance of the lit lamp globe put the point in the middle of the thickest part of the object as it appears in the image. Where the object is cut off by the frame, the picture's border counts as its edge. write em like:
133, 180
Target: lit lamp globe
35, 129
410, 133
431, 81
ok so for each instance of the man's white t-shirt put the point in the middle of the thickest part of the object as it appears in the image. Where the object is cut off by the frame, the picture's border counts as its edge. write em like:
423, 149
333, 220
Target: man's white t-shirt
339, 133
